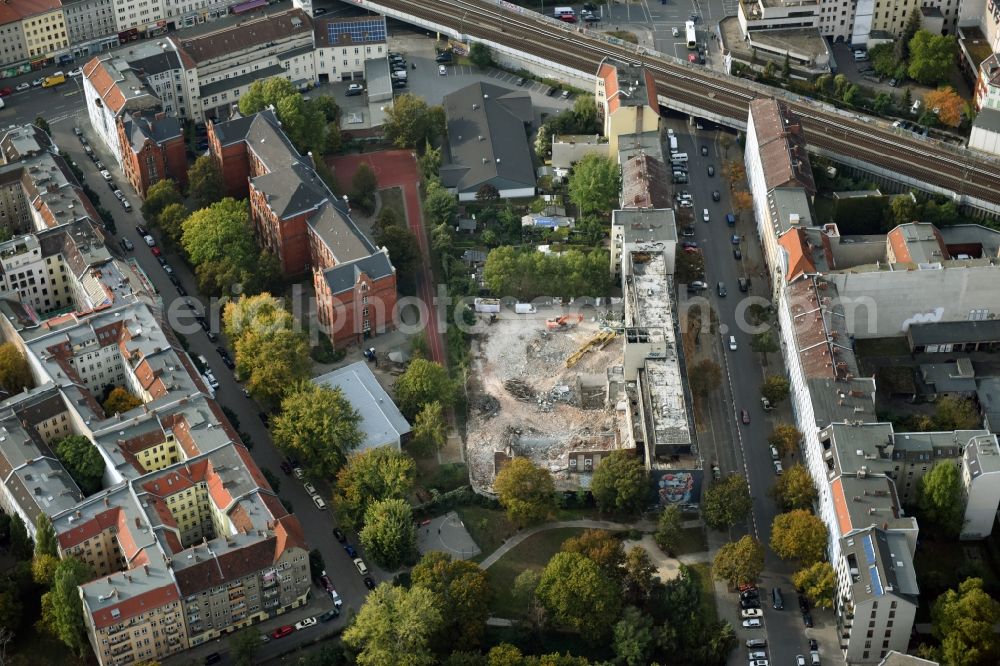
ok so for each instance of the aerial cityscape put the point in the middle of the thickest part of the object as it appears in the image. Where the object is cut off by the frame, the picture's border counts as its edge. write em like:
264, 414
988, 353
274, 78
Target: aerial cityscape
499, 333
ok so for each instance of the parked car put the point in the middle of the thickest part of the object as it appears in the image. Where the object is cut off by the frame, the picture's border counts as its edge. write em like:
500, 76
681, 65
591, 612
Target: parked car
715, 195
705, 216
305, 624
75, 72
442, 70
37, 82
298, 473
105, 174
753, 602
127, 245
150, 241
756, 654
285, 467
331, 614
281, 632
745, 417
351, 553
737, 254
310, 488
319, 502
747, 613
369, 583
6, 92
813, 645
338, 535
752, 624
732, 343
355, 89
807, 619
443, 56
520, 81
23, 86
704, 150
213, 658
360, 564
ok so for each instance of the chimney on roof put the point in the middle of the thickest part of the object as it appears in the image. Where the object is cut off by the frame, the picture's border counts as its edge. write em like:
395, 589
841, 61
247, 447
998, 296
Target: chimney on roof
110, 581
145, 567
107, 502
138, 523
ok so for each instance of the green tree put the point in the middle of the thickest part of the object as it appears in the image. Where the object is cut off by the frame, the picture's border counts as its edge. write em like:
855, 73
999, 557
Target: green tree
389, 534
726, 503
327, 106
578, 595
525, 491
963, 621
171, 222
903, 209
764, 343
940, 498
785, 437
951, 413
205, 182
410, 122
818, 582
480, 55
882, 103
487, 193
120, 401
375, 474
620, 483
901, 48
463, 589
600, 547
243, 646
594, 184
739, 562
318, 426
65, 617
249, 312
273, 479
633, 638
83, 461
220, 232
440, 206
786, 67
423, 382
668, 529
403, 251
799, 535
264, 93
527, 274
775, 389
430, 430
584, 116
907, 99
43, 568
704, 377
639, 572
794, 489
272, 361
364, 185
15, 373
20, 542
851, 94
45, 536
395, 626
160, 195
43, 125
932, 57
429, 162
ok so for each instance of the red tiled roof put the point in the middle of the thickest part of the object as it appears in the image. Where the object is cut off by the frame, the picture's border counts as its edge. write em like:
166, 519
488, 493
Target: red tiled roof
799, 260
840, 505
898, 245
288, 531
218, 569
105, 86
610, 75
21, 9
89, 529
136, 605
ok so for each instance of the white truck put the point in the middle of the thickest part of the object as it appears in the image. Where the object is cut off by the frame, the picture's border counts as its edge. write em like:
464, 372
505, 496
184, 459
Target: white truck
487, 305
525, 308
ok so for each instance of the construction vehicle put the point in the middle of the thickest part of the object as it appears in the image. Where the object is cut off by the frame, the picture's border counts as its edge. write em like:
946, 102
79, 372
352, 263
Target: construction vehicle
564, 322
599, 341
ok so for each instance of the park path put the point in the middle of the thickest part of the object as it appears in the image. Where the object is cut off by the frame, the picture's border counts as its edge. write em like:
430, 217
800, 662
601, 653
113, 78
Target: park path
642, 525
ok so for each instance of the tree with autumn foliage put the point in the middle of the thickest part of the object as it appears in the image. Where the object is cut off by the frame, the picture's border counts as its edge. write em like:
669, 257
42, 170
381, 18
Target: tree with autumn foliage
741, 201
949, 105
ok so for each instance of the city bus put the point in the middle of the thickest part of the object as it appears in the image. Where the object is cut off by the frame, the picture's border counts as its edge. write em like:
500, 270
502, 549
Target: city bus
692, 39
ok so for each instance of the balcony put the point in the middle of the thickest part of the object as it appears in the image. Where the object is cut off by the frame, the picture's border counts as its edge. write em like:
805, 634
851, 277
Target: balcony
116, 629
237, 594
273, 592
122, 650
271, 603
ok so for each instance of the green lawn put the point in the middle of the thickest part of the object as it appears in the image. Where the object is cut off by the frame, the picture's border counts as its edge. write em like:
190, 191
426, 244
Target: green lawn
692, 540
489, 528
708, 609
392, 197
532, 553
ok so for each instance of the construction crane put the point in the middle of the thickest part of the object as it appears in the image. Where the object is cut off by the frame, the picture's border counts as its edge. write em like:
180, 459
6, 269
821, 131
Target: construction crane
563, 322
599, 341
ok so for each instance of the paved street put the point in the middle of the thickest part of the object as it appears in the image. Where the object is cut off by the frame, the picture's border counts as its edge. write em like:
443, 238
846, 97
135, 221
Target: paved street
742, 448
69, 104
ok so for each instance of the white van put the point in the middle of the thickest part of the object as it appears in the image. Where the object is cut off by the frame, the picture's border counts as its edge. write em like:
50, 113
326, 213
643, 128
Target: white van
525, 308
732, 343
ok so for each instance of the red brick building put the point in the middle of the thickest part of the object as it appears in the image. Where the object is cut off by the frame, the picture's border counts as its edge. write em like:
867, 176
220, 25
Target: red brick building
302, 222
152, 149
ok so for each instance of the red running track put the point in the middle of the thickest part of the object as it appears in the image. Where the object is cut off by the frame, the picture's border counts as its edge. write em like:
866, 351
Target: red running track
398, 168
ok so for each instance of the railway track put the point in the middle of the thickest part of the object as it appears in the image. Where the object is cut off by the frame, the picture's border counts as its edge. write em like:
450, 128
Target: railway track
726, 96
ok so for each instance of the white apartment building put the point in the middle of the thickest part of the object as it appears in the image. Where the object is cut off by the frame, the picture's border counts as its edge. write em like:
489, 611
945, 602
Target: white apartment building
91, 26
138, 15
342, 46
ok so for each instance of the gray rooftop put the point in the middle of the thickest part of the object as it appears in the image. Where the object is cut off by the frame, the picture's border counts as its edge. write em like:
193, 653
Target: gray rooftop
644, 143
343, 277
931, 295
955, 377
291, 191
987, 119
960, 236
381, 422
567, 150
234, 82
880, 565
790, 207
645, 225
154, 129
953, 332
486, 138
